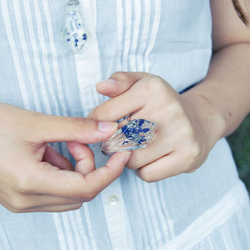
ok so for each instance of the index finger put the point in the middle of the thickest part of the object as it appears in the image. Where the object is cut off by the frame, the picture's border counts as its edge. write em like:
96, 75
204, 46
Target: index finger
119, 82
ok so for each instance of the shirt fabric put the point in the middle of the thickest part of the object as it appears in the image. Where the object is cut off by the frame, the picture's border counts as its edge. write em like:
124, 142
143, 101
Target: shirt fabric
208, 209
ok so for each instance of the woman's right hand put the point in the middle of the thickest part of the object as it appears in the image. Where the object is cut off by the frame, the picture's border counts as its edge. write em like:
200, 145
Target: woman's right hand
36, 178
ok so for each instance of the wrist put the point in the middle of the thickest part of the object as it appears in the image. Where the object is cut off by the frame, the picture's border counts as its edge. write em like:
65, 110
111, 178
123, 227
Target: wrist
206, 115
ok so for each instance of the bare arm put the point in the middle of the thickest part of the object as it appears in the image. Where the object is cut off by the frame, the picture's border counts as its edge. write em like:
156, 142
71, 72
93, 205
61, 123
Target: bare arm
223, 96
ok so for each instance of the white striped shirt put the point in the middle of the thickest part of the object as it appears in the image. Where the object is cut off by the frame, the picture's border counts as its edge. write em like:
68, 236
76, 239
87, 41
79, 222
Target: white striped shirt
208, 209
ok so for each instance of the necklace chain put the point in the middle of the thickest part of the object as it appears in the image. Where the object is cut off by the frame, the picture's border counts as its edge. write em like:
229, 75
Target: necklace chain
71, 2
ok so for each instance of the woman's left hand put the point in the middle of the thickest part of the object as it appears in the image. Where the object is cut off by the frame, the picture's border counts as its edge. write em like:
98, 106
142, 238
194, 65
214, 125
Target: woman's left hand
185, 123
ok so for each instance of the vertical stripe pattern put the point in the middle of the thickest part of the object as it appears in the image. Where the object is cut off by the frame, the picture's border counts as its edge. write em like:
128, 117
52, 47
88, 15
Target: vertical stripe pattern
40, 75
136, 33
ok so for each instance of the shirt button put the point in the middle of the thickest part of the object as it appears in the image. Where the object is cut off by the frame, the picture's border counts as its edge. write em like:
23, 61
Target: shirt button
113, 200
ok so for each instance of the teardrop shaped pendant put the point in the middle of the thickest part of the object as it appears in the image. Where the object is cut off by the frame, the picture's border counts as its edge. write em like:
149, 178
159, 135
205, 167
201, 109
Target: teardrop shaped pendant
73, 32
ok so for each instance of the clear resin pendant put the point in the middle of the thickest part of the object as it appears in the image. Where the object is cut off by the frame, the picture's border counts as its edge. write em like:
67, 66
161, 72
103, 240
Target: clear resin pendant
134, 135
73, 32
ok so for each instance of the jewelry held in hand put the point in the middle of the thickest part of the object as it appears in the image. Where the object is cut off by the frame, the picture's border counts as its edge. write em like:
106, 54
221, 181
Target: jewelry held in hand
134, 135
73, 32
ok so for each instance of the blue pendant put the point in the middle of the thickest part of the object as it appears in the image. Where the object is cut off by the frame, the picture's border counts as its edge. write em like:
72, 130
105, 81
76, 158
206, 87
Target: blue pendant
73, 32
134, 135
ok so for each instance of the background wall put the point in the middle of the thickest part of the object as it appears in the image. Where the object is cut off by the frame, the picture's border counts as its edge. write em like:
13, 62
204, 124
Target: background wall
240, 144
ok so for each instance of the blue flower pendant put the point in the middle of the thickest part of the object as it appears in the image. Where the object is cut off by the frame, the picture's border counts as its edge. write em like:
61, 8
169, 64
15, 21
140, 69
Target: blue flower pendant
73, 32
134, 135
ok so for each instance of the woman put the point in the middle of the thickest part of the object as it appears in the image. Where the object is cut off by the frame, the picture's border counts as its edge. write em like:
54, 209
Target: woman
207, 209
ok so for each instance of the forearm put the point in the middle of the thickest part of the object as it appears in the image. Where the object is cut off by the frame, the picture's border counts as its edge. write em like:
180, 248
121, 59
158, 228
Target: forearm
222, 99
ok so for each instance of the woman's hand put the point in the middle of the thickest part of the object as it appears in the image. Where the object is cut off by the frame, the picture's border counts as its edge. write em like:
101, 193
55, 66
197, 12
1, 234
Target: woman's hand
185, 132
34, 177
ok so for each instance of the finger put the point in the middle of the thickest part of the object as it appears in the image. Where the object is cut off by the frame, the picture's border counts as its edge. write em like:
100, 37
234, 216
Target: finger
119, 82
109, 173
116, 108
54, 129
56, 208
53, 181
83, 156
54, 158
48, 128
165, 167
137, 97
156, 149
21, 202
52, 209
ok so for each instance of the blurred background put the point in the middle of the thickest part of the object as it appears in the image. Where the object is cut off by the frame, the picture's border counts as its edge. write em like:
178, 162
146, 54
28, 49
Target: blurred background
240, 145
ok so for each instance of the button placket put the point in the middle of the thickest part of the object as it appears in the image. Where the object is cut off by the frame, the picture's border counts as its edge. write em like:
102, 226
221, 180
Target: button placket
113, 208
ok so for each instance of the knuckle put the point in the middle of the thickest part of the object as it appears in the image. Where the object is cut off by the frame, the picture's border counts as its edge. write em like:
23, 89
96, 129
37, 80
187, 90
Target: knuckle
17, 204
78, 123
154, 84
23, 184
82, 126
194, 151
88, 195
131, 165
157, 81
191, 170
180, 112
134, 162
193, 158
145, 176
94, 114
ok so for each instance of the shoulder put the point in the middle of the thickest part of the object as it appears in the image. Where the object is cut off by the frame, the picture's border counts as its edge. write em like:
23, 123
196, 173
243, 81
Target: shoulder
228, 28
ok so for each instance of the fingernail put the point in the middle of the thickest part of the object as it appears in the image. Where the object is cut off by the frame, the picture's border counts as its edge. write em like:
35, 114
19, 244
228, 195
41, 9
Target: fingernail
107, 126
110, 80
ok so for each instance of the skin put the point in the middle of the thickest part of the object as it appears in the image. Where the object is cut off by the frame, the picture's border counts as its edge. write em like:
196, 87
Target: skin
35, 178
190, 124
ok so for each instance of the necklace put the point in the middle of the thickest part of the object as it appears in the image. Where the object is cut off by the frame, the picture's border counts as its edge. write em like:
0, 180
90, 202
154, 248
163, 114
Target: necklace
73, 32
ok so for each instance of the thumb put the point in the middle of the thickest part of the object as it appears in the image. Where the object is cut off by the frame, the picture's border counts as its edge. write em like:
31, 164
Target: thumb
56, 128
119, 82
